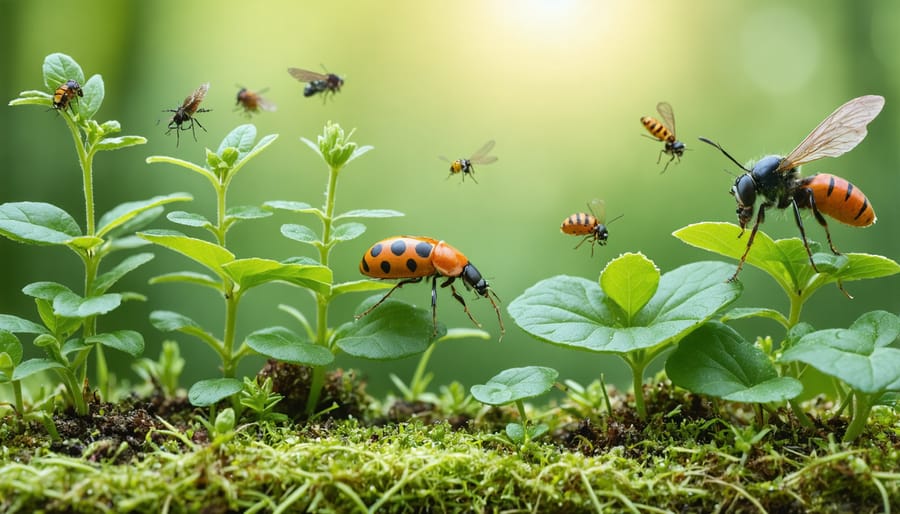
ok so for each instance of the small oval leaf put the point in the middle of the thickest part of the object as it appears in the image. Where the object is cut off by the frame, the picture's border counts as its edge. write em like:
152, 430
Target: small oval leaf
515, 384
207, 392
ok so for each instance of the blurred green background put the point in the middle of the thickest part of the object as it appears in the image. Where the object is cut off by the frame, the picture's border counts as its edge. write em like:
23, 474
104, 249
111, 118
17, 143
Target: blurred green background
559, 84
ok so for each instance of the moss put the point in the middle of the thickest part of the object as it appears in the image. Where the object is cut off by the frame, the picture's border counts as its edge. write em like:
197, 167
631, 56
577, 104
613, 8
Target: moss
689, 458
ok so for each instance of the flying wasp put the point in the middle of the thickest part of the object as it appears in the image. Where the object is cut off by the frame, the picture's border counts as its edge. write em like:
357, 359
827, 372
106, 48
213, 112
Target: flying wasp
252, 101
317, 82
665, 131
183, 118
466, 166
777, 179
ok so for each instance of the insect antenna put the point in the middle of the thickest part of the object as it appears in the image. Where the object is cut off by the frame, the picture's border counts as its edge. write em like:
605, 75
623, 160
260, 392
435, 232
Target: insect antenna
709, 142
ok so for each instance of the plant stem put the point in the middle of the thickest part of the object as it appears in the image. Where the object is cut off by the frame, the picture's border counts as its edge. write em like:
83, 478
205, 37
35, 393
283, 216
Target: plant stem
323, 300
637, 381
416, 388
861, 408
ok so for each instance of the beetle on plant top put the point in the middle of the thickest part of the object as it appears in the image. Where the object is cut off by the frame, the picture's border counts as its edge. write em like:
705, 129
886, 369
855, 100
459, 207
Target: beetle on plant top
413, 258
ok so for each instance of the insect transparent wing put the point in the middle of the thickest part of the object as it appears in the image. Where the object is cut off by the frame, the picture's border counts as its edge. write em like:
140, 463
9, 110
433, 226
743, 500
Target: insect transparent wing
306, 75
839, 133
665, 110
481, 156
598, 209
197, 96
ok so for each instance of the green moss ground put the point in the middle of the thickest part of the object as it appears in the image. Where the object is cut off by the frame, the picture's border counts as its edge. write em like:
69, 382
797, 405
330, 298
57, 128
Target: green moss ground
681, 460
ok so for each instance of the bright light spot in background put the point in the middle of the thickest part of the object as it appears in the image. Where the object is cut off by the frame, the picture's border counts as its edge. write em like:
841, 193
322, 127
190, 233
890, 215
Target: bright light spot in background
560, 20
780, 48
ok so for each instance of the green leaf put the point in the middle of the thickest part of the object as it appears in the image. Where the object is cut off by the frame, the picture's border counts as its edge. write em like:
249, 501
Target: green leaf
284, 345
393, 330
515, 384
33, 97
254, 271
241, 137
125, 212
247, 212
188, 277
168, 321
188, 219
94, 91
369, 213
630, 280
753, 312
716, 361
123, 233
114, 143
70, 305
74, 345
45, 290
37, 223
203, 252
210, 176
127, 341
11, 346
574, 312
207, 392
59, 68
356, 286
18, 325
786, 260
32, 366
300, 233
84, 243
858, 356
129, 264
298, 207
348, 231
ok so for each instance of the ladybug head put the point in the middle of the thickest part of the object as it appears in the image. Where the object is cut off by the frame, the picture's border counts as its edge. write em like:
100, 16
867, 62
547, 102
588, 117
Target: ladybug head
472, 278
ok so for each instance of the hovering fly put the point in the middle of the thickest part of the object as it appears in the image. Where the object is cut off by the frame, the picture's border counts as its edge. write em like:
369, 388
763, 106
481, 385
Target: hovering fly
466, 166
252, 101
317, 82
183, 118
777, 179
665, 131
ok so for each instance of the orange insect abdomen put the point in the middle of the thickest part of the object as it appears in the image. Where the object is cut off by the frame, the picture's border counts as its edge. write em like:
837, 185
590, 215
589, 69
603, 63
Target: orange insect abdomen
658, 130
399, 257
580, 224
839, 199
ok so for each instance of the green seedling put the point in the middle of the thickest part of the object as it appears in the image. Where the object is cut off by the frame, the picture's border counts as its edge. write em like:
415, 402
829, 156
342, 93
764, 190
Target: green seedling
632, 311
231, 277
70, 331
515, 385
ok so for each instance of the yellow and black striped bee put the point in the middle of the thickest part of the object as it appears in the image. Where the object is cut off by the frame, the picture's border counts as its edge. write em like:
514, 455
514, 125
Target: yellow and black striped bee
317, 82
592, 227
465, 166
253, 102
665, 131
183, 118
65, 93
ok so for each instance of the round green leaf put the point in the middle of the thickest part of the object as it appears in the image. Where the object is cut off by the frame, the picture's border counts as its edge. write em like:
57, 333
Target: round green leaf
285, 205
19, 325
284, 345
214, 390
252, 272
393, 330
247, 212
575, 312
208, 254
168, 321
11, 346
70, 305
715, 360
630, 280
188, 219
369, 213
515, 384
858, 356
94, 91
242, 138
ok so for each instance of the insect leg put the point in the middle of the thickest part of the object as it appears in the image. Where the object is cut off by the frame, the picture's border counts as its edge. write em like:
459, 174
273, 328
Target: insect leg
799, 221
811, 201
383, 298
760, 217
460, 299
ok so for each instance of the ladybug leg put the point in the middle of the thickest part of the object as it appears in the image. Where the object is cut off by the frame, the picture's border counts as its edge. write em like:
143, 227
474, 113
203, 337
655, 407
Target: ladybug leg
385, 297
434, 305
760, 217
460, 299
799, 221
